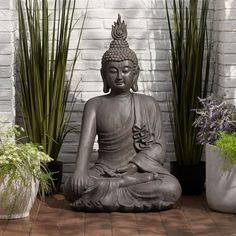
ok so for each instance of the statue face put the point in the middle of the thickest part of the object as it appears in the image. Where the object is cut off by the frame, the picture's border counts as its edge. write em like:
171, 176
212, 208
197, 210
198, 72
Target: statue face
119, 76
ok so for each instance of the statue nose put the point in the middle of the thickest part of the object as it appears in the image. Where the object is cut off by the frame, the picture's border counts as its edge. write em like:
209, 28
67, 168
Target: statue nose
119, 76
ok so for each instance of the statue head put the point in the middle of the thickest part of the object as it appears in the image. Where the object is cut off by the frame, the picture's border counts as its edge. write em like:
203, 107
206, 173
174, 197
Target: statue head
119, 58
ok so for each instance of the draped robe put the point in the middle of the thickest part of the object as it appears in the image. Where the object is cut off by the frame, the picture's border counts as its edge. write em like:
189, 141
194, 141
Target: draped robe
140, 141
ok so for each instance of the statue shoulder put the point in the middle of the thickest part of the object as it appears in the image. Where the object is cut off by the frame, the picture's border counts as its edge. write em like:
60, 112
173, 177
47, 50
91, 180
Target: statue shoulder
93, 103
147, 101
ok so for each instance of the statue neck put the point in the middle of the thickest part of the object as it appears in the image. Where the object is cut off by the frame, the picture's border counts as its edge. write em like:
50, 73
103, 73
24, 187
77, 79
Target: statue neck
116, 94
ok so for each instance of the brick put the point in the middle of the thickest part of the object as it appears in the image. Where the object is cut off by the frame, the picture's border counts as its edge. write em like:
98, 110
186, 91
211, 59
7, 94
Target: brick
69, 148
91, 86
92, 54
68, 167
153, 76
227, 82
6, 72
77, 107
131, 24
89, 44
88, 95
88, 65
6, 37
7, 117
229, 14
230, 4
154, 65
88, 24
227, 59
6, 105
92, 76
76, 117
67, 158
6, 60
227, 26
138, 34
138, 44
227, 70
81, 4
144, 14
105, 14
227, 37
228, 93
224, 47
150, 55
6, 48
72, 137
5, 95
159, 24
7, 26
133, 4
159, 96
155, 86
4, 4
159, 44
5, 15
96, 34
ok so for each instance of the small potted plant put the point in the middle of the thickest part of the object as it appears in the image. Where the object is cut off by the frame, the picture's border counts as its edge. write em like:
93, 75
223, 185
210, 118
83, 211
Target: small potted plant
22, 173
217, 130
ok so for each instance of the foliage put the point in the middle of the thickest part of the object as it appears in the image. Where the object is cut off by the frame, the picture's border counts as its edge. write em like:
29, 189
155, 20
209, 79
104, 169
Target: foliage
189, 40
44, 88
215, 116
20, 161
227, 145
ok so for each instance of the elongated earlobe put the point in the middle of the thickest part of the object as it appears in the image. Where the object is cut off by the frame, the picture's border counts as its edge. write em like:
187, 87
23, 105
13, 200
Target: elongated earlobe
135, 87
106, 88
135, 84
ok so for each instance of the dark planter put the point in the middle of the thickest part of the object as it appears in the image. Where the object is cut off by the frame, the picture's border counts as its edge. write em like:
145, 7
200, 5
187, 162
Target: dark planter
191, 177
56, 167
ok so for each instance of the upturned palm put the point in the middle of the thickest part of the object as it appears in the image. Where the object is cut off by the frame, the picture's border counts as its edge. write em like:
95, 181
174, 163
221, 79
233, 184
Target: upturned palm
189, 39
44, 88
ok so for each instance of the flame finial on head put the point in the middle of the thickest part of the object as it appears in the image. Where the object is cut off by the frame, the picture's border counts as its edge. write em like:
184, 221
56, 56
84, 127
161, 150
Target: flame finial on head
119, 30
119, 48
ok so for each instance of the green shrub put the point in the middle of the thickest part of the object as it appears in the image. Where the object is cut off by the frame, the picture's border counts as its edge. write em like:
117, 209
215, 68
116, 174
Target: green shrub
227, 145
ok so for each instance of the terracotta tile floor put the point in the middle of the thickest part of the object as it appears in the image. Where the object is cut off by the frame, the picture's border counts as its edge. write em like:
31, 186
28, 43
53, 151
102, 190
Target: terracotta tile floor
191, 216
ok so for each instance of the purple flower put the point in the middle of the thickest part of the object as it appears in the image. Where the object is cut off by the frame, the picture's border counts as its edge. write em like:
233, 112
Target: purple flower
215, 116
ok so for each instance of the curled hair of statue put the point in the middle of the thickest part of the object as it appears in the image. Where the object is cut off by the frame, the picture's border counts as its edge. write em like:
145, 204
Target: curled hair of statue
119, 48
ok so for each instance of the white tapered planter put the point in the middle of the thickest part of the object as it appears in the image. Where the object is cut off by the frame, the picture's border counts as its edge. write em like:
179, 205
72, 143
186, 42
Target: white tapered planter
18, 204
220, 182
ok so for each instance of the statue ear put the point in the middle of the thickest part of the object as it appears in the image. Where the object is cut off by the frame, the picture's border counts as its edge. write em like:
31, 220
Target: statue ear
105, 85
135, 84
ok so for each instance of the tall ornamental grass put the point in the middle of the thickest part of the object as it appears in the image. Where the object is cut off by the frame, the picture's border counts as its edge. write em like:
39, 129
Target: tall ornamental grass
44, 88
190, 67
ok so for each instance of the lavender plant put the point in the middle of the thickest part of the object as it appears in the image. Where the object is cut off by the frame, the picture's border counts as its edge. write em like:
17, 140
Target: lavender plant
214, 117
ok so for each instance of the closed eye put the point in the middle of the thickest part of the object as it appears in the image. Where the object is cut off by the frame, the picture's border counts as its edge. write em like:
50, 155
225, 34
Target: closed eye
126, 69
113, 70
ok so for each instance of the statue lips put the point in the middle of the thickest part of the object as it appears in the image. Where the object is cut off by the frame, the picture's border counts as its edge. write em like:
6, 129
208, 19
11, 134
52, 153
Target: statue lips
119, 82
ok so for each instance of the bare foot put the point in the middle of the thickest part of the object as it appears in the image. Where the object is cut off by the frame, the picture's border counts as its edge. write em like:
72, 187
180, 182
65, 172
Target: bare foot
137, 179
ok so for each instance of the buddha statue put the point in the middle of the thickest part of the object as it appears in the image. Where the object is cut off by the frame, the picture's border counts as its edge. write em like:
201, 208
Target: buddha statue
128, 175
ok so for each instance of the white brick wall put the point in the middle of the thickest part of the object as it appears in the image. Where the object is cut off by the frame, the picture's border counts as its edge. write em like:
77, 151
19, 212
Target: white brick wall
226, 52
7, 28
147, 35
